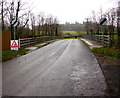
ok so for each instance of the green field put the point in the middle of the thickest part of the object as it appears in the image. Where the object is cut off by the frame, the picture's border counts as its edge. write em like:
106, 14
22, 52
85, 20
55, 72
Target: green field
74, 33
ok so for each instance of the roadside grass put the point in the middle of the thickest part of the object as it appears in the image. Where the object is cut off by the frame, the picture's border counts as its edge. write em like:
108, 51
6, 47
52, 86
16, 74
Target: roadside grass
107, 51
85, 43
6, 55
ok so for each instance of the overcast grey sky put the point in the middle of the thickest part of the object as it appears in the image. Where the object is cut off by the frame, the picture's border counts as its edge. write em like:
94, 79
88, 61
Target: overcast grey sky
70, 10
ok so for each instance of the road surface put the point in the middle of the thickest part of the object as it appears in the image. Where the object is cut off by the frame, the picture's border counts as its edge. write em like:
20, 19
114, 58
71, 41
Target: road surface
63, 68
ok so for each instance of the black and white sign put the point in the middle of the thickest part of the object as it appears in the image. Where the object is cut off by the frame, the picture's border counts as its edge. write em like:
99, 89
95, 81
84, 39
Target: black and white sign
15, 22
103, 21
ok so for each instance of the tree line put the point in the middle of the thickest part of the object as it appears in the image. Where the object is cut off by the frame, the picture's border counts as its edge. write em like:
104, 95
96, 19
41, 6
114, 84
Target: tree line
112, 28
28, 24
72, 26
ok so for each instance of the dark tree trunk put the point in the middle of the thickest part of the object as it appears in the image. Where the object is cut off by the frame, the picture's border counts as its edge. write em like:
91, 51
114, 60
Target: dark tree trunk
3, 26
56, 31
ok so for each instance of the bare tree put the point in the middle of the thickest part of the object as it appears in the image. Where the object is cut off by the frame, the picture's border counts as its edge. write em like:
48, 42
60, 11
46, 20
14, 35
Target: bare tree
118, 24
32, 17
13, 11
24, 23
95, 24
56, 24
111, 16
88, 25
42, 25
39, 25
3, 13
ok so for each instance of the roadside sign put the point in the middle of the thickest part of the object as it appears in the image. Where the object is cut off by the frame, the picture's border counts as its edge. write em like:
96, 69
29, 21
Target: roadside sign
103, 21
15, 22
14, 45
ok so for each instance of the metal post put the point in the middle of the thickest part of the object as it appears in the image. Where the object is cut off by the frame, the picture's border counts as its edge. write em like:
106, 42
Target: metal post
14, 33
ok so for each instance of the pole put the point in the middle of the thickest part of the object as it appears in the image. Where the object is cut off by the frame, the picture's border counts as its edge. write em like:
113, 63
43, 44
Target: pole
14, 33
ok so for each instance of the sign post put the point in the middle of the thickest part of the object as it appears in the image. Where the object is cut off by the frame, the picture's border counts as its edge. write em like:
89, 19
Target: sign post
103, 21
14, 43
15, 23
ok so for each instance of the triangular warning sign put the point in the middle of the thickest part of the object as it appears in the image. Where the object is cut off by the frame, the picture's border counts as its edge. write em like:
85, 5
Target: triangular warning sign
14, 44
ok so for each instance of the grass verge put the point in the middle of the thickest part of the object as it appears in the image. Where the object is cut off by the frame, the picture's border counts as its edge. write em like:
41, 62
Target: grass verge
112, 51
6, 55
107, 51
85, 43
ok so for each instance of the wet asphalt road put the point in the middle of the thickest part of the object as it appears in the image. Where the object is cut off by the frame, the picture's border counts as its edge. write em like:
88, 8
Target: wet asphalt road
63, 68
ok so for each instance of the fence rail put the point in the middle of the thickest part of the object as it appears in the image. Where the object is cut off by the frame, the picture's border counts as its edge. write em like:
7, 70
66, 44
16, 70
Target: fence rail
31, 41
102, 39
